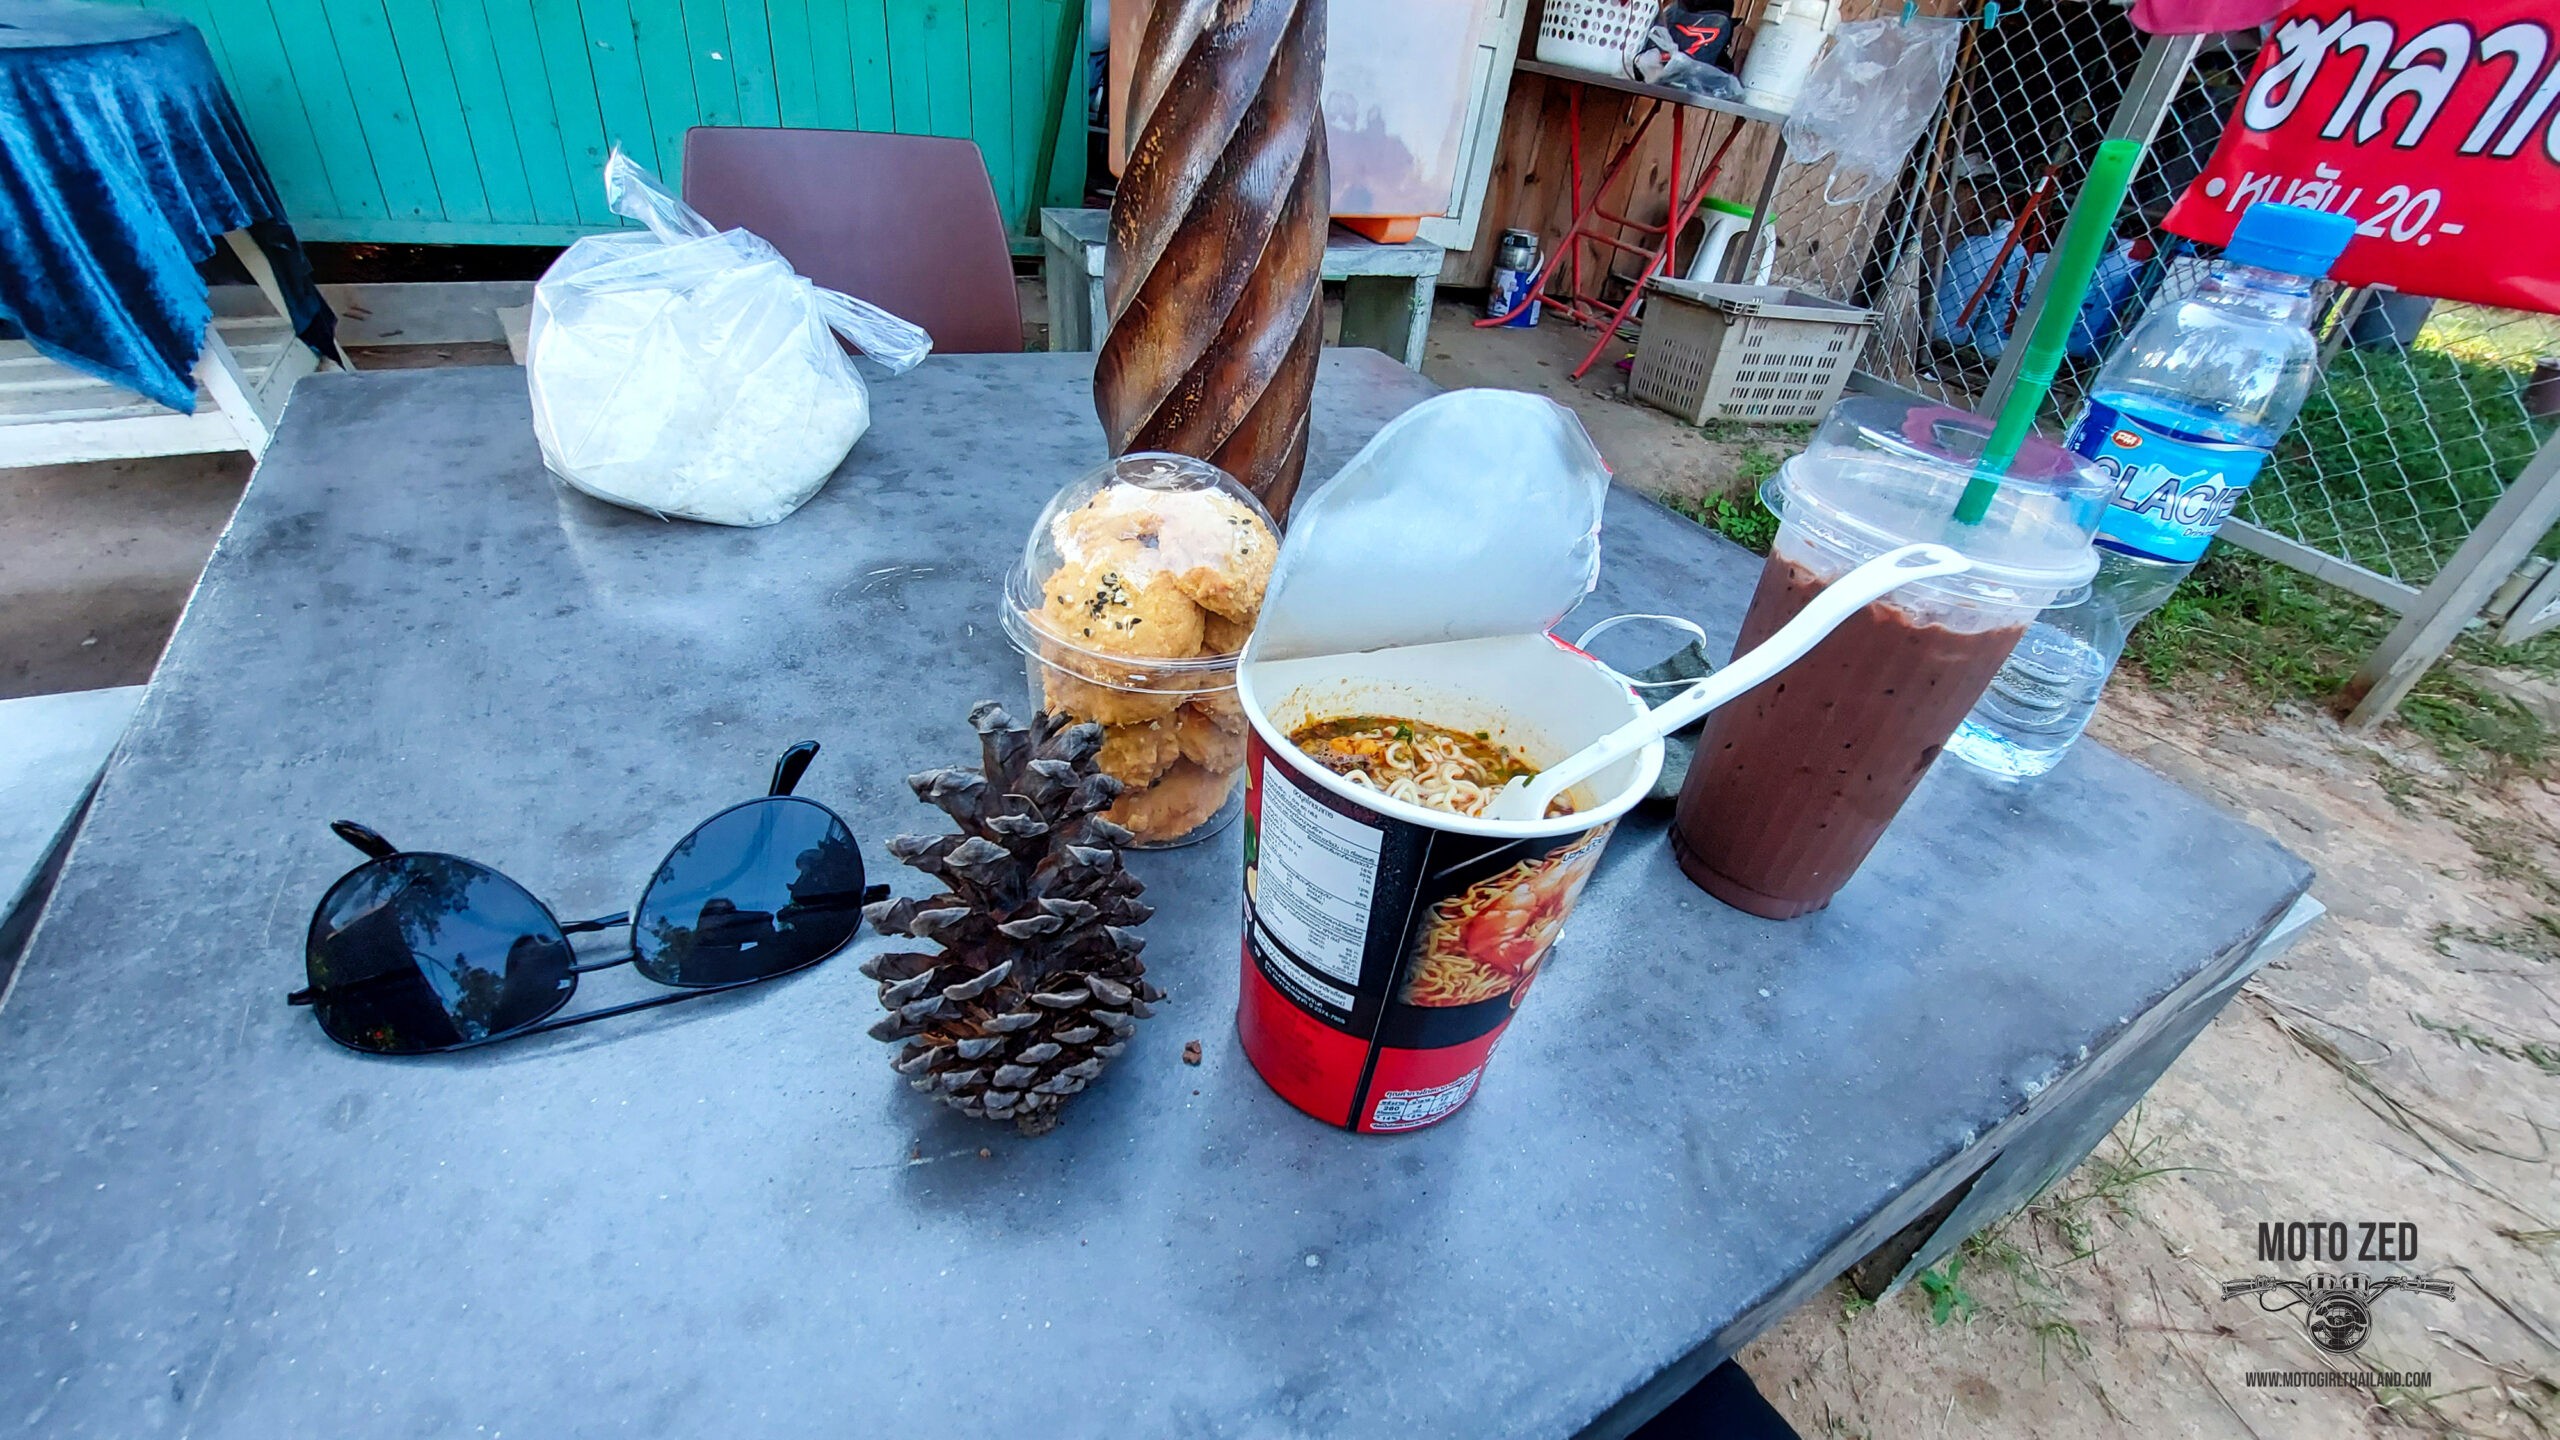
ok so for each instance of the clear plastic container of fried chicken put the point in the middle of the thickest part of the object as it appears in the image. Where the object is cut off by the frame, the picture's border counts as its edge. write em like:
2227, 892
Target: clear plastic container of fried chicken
1132, 603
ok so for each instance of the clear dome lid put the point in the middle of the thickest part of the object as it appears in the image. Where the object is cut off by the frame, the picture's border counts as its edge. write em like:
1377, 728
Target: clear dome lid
1147, 557
1882, 473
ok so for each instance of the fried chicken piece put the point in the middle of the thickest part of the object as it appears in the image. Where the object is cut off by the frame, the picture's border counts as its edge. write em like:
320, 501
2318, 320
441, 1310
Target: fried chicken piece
1064, 691
1136, 755
1207, 743
1104, 608
1222, 636
1176, 804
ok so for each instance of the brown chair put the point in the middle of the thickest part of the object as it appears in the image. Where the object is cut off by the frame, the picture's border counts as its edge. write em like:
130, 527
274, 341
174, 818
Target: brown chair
907, 222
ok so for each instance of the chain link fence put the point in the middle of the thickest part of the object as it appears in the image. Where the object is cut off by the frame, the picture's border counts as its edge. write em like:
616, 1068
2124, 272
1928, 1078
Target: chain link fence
2424, 414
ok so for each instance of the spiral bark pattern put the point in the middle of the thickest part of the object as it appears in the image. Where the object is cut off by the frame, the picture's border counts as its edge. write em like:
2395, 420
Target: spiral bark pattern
1212, 273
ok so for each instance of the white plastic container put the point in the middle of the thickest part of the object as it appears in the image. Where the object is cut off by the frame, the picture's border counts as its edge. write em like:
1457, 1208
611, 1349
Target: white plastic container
1783, 47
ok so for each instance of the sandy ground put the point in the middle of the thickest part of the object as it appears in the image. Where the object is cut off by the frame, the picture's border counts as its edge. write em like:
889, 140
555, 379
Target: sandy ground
2401, 1063
1645, 448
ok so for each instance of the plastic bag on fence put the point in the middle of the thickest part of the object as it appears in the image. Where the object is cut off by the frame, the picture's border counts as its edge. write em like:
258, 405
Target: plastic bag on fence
1868, 99
691, 372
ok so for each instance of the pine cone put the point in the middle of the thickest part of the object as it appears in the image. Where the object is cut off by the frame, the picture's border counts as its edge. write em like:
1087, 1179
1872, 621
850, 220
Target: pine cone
1038, 982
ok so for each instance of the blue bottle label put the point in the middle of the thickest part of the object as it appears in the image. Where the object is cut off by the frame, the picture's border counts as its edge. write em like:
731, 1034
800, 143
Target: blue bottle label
1508, 287
2172, 493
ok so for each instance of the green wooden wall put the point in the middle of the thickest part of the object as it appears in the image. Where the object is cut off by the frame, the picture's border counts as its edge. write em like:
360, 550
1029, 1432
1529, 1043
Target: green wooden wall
487, 121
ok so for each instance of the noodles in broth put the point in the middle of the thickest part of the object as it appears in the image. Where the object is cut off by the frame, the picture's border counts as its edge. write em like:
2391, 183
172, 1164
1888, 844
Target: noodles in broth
1417, 763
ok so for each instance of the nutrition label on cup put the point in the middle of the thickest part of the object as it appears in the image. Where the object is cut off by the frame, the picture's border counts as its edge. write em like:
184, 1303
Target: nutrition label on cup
1318, 872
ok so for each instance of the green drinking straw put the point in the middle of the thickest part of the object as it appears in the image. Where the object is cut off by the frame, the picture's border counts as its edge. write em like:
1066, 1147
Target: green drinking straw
2084, 239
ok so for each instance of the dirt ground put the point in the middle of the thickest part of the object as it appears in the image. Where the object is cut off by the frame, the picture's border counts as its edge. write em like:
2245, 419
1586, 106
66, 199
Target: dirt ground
1646, 449
2400, 1063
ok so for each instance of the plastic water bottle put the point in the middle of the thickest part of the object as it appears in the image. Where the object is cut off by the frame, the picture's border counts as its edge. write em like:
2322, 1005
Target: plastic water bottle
2182, 419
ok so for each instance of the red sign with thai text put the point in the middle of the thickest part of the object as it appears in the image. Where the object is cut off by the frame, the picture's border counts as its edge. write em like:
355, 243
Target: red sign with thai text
2435, 126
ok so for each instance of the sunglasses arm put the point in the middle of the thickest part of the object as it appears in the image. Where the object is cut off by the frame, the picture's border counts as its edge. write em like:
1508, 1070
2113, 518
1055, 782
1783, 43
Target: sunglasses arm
364, 838
793, 764
652, 1003
601, 922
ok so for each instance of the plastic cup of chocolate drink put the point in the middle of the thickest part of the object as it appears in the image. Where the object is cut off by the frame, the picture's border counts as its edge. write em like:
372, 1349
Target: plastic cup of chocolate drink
1796, 781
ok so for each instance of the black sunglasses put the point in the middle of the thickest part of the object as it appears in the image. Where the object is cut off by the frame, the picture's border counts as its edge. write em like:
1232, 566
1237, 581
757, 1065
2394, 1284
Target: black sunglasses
413, 953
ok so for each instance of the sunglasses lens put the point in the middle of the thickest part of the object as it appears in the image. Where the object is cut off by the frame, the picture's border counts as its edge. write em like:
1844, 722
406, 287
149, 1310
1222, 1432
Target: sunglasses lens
426, 952
770, 886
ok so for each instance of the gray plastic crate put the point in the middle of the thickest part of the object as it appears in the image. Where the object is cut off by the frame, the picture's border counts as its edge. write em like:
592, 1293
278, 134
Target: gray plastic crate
1745, 352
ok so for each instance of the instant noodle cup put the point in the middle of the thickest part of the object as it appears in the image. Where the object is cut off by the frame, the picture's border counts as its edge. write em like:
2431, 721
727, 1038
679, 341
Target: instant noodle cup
1135, 594
1387, 945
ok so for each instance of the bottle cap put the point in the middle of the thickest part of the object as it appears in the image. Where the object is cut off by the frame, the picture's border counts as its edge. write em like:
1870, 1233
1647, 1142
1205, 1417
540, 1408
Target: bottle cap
2289, 238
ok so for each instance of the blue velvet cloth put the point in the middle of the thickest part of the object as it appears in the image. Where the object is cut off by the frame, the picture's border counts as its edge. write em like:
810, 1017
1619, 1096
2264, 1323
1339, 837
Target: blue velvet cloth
122, 163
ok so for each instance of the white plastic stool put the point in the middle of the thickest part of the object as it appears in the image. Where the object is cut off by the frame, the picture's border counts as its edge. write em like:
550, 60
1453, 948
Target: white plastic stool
1726, 221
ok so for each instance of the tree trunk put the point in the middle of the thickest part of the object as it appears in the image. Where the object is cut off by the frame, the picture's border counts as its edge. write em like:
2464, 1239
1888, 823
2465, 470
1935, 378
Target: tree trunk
1217, 240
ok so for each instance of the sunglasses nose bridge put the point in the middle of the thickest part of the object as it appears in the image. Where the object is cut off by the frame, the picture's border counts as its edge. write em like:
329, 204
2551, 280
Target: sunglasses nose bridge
601, 922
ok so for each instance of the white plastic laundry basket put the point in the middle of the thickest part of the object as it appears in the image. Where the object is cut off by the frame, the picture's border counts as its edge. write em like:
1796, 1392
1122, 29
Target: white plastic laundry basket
1600, 35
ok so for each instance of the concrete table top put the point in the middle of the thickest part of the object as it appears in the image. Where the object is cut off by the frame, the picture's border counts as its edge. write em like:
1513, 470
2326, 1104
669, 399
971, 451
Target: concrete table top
730, 1218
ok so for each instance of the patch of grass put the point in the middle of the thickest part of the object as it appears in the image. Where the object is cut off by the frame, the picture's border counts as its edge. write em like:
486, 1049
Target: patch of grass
2281, 636
2035, 1300
2400, 452
2021, 1249
1736, 513
2506, 851
1741, 519
2539, 655
1943, 1284
2542, 1055
2399, 787
2487, 335
1757, 464
2536, 938
2107, 1182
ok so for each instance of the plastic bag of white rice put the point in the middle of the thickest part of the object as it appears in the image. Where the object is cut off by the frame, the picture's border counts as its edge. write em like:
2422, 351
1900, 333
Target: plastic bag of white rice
691, 372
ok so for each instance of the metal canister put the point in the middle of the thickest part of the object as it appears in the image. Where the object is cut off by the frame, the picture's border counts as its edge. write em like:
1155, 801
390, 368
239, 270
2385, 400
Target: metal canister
1515, 271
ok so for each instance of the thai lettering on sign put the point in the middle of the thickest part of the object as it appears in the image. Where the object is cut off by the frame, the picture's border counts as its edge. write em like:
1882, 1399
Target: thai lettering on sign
2438, 132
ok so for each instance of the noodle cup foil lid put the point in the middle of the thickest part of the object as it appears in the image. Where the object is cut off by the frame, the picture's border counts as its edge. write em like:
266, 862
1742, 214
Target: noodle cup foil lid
1474, 514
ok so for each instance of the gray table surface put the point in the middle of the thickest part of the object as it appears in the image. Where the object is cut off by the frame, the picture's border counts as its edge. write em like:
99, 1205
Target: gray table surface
729, 1217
